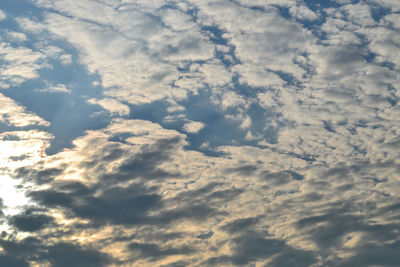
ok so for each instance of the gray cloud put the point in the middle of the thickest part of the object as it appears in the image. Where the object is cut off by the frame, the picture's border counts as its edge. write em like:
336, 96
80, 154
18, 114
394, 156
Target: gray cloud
39, 177
116, 205
63, 254
154, 251
252, 246
30, 222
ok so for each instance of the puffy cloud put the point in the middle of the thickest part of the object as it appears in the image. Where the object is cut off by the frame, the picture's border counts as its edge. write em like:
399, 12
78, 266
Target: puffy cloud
19, 64
140, 54
271, 41
30, 222
112, 105
58, 88
303, 12
3, 15
14, 114
17, 37
394, 6
193, 127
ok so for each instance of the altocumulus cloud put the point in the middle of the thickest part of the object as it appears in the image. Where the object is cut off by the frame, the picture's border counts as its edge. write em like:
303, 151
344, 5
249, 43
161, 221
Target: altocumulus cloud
199, 133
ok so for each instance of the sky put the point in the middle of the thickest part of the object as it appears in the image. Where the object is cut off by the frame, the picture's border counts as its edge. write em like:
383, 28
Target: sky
199, 133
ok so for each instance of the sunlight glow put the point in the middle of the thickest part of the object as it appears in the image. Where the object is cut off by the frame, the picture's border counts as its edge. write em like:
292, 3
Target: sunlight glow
13, 198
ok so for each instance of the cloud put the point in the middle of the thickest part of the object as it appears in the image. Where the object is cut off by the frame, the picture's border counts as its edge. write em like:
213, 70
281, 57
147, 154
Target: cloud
63, 254
251, 246
117, 205
17, 37
302, 12
123, 52
19, 253
372, 254
42, 176
58, 88
14, 114
30, 222
233, 133
3, 15
19, 64
193, 127
154, 251
112, 105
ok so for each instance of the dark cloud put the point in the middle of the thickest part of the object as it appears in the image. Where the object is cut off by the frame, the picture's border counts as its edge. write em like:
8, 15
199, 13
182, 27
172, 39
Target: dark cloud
197, 212
109, 152
39, 177
19, 253
18, 158
205, 235
328, 230
244, 170
115, 205
124, 205
283, 177
371, 254
11, 261
176, 264
118, 209
30, 222
208, 193
1, 208
334, 227
250, 247
253, 246
240, 225
295, 258
154, 251
148, 234
52, 198
144, 164
197, 193
67, 254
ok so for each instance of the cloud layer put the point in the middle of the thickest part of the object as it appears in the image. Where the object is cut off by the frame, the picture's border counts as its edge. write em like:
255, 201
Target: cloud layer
200, 133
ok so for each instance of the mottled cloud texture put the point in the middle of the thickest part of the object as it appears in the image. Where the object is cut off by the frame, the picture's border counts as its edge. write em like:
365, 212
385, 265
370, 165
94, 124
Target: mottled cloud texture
199, 133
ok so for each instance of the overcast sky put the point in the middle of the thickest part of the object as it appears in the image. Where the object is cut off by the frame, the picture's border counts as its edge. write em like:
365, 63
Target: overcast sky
199, 133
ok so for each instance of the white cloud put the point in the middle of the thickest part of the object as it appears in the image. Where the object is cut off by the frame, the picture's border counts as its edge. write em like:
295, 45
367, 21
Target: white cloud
257, 76
393, 5
112, 105
193, 126
20, 64
303, 12
17, 37
177, 20
392, 20
360, 14
57, 53
58, 88
130, 49
215, 74
385, 44
270, 40
3, 15
15, 115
